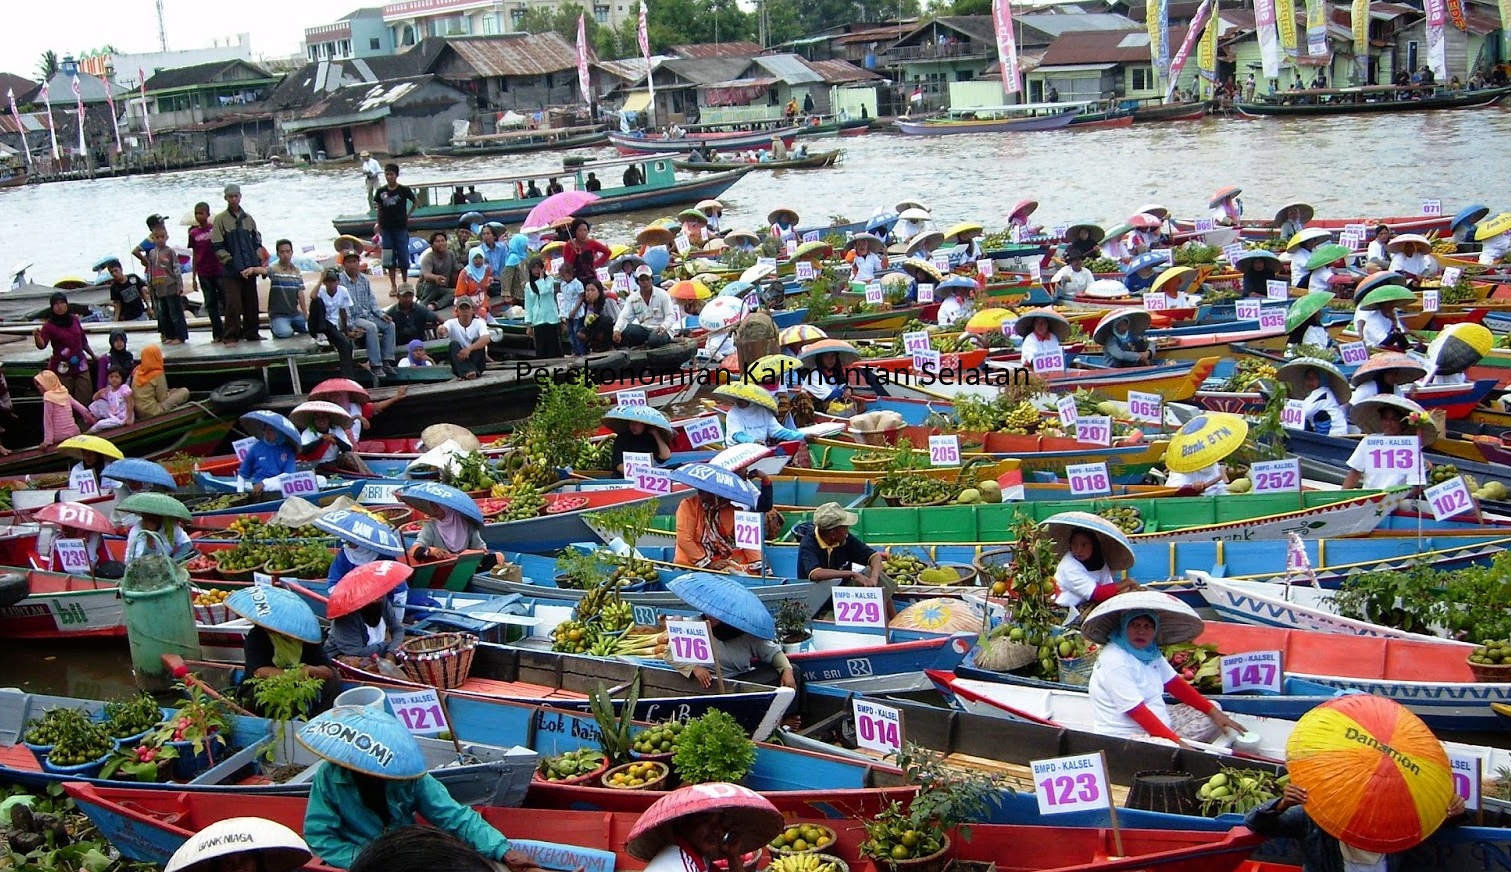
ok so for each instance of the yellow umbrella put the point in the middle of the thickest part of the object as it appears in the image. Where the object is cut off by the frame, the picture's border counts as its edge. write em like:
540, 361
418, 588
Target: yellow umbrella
1494, 227
800, 334
771, 368
953, 234
749, 392
1376, 777
1181, 276
690, 289
84, 442
987, 321
1205, 440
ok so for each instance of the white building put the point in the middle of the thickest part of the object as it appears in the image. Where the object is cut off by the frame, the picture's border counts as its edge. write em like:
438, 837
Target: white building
413, 20
121, 68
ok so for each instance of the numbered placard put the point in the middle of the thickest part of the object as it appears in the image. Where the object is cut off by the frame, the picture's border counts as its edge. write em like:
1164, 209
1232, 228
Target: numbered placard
1353, 353
1094, 430
83, 481
1232, 251
877, 726
1276, 476
1156, 302
1060, 230
1394, 454
944, 450
1350, 240
1467, 769
1276, 289
1066, 784
859, 607
379, 494
242, 446
791, 247
811, 236
1088, 479
73, 556
1066, 406
986, 267
704, 431
1293, 415
420, 710
603, 274
1165, 254
1247, 310
262, 579
1449, 498
1271, 318
766, 261
941, 264
1205, 225
873, 294
635, 462
1430, 300
690, 643
1252, 670
915, 341
1432, 207
1451, 276
300, 484
1049, 361
925, 293
630, 398
1035, 271
621, 282
653, 480
804, 270
1144, 406
927, 361
750, 529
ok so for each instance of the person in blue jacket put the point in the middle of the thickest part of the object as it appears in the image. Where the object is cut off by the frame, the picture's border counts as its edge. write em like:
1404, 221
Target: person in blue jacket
272, 456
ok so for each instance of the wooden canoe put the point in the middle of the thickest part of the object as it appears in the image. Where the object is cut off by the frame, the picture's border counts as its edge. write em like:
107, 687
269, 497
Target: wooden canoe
815, 160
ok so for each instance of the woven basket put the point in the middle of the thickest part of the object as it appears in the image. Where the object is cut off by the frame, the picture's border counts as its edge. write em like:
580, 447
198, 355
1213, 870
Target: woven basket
1077, 670
1488, 673
1005, 655
442, 660
813, 849
872, 465
657, 783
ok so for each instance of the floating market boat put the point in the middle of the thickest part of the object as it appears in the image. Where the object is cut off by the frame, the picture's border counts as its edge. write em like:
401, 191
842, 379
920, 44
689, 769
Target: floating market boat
1148, 114
189, 429
1023, 118
1369, 99
628, 144
815, 160
1271, 601
523, 141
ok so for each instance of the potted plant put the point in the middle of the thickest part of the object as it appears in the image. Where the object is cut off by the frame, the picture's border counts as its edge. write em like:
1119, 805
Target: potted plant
282, 697
615, 728
948, 800
129, 720
196, 730
80, 746
713, 747
792, 624
146, 762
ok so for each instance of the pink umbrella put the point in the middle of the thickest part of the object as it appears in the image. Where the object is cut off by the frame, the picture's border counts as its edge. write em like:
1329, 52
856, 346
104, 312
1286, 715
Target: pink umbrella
556, 206
77, 516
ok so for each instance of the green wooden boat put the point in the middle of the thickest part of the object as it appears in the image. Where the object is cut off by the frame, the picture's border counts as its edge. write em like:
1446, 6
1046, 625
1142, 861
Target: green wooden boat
190, 429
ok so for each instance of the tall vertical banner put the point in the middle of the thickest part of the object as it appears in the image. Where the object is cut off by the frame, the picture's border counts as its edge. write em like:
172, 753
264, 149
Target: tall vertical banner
141, 76
1285, 23
584, 83
52, 128
1316, 28
78, 101
1437, 47
1359, 21
1269, 50
1007, 45
1192, 34
1206, 52
15, 114
1164, 36
1505, 28
643, 31
1151, 21
115, 124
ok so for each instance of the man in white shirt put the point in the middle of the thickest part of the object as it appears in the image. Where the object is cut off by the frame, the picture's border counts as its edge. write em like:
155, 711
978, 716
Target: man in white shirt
1073, 278
1493, 250
647, 317
469, 341
372, 171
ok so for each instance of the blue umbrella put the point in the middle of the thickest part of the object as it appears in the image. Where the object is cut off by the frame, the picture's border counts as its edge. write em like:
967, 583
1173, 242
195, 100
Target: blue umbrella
619, 417
1469, 217
724, 598
104, 263
1143, 261
718, 481
366, 740
276, 610
736, 288
360, 528
434, 493
473, 220
135, 470
657, 259
253, 421
954, 281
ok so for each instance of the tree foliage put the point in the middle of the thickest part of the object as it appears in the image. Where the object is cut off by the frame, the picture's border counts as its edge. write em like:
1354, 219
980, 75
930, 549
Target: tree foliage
47, 65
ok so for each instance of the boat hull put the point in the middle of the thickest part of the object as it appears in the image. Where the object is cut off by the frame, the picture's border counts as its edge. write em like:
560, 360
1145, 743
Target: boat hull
1459, 100
1008, 125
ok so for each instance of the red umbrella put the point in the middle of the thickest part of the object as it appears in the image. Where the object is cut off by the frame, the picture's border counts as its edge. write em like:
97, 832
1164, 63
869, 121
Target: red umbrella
555, 207
750, 817
339, 386
77, 516
367, 583
1144, 221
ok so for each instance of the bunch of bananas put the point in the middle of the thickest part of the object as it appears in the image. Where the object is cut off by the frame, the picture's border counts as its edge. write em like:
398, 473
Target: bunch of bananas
1022, 419
594, 455
951, 344
802, 863
597, 598
616, 616
573, 637
629, 569
1248, 371
1127, 518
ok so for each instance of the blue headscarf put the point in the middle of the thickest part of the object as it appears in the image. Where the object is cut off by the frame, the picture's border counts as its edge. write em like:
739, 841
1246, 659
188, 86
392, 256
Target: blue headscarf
519, 250
1119, 637
477, 272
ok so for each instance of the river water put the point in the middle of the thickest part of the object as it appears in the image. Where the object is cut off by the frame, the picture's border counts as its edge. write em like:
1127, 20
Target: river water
1345, 166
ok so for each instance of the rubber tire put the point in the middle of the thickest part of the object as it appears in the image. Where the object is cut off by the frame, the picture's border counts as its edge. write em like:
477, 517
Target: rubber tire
13, 589
238, 395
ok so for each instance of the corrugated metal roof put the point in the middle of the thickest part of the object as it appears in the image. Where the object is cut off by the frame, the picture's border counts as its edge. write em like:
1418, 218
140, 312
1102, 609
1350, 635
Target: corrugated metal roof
203, 74
1103, 47
788, 68
877, 34
740, 83
60, 89
839, 72
1056, 24
704, 69
515, 55
704, 50
975, 27
1072, 68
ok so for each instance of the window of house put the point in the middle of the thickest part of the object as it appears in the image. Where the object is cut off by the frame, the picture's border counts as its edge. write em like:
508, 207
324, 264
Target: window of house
517, 15
346, 47
490, 24
550, 81
314, 51
601, 14
375, 44
1141, 78
964, 75
408, 35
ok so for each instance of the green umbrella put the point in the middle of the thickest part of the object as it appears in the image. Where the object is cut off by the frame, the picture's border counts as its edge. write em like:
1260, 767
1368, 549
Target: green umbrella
1119, 230
152, 503
1327, 254
1293, 374
1303, 309
1388, 294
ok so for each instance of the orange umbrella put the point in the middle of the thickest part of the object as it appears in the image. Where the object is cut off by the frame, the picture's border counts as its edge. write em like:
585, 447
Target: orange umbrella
690, 289
1376, 778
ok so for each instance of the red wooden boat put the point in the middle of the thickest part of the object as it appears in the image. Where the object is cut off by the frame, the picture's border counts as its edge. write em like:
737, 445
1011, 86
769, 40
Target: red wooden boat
148, 825
1260, 228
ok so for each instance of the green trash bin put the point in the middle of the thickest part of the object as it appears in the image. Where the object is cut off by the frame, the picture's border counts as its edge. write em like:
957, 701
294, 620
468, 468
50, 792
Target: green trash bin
159, 612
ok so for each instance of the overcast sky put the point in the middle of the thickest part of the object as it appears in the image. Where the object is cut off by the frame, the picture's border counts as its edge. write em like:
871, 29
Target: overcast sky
276, 26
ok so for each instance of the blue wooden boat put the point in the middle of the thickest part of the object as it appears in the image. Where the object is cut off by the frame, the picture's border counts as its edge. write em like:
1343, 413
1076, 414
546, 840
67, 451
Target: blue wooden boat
222, 485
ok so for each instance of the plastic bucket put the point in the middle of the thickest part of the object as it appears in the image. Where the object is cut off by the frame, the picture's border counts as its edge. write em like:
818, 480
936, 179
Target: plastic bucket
365, 696
159, 621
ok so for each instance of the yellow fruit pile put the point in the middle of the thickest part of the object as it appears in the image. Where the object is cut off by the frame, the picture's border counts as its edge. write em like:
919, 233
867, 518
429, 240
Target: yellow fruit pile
211, 597
803, 838
802, 863
636, 775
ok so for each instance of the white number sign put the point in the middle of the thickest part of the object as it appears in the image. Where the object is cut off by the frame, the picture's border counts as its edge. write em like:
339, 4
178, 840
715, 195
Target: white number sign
242, 446
873, 293
925, 293
927, 360
1429, 301
621, 282
1066, 784
83, 481
1144, 406
1293, 415
420, 710
766, 261
750, 530
262, 579
653, 481
1451, 276
877, 726
1247, 310
915, 341
1232, 251
300, 484
1395, 454
1432, 207
636, 461
1449, 498
1466, 777
1254, 670
73, 556
1049, 361
1067, 408
791, 247
859, 607
1060, 230
1276, 289
1095, 430
804, 270
944, 450
1271, 318
690, 642
1353, 353
630, 398
1087, 479
704, 431
1205, 225
602, 273
1156, 302
1035, 271
1276, 476
985, 267
942, 264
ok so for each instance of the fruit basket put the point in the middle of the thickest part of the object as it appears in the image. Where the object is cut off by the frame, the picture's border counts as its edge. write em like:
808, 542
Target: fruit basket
582, 766
1491, 661
640, 775
803, 839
